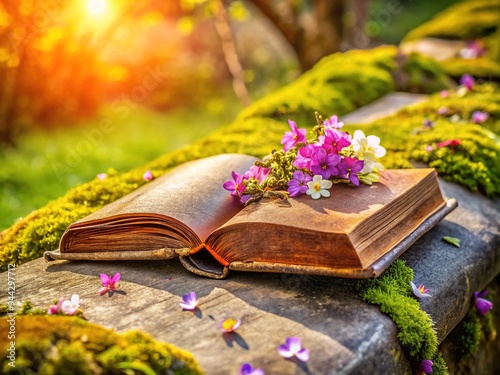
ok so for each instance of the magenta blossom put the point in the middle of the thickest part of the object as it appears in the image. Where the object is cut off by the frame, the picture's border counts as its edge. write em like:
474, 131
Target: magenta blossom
482, 304
426, 366
467, 81
332, 123
298, 184
228, 325
190, 301
258, 173
293, 347
147, 176
334, 141
247, 369
56, 309
108, 283
479, 117
235, 186
325, 164
350, 168
290, 139
420, 291
303, 158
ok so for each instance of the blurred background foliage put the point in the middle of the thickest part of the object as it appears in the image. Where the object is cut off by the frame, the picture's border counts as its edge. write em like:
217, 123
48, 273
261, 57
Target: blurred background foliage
157, 74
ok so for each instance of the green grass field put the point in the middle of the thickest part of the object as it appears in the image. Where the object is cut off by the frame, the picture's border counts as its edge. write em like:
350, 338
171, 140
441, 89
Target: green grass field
46, 164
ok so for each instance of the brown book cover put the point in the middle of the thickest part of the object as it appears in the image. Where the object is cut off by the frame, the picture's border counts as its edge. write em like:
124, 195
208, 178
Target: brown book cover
357, 232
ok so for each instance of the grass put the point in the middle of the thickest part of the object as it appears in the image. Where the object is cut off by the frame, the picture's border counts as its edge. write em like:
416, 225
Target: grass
46, 164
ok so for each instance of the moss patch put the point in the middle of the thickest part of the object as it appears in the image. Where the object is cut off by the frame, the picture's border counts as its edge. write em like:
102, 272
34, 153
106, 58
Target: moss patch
467, 20
70, 345
392, 292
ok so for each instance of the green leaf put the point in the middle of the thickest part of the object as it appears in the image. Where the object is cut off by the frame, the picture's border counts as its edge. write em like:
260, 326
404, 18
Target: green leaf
453, 240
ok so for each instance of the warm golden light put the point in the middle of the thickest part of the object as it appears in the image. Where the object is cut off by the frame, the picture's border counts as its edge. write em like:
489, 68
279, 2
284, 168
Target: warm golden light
97, 7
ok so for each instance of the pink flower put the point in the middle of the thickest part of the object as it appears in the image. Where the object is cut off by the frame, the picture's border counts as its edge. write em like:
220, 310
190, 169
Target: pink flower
420, 291
247, 369
293, 347
71, 307
148, 176
190, 301
303, 158
444, 93
426, 366
102, 176
482, 304
451, 143
108, 284
479, 117
290, 139
258, 173
56, 309
333, 123
228, 325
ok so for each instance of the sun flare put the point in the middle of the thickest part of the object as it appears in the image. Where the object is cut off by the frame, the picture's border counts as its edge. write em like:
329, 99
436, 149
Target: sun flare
97, 7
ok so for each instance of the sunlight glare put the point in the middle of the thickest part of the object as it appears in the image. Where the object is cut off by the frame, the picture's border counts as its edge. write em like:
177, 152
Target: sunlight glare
97, 7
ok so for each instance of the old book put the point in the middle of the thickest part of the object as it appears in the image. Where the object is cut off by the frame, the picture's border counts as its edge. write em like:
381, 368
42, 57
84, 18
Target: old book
357, 232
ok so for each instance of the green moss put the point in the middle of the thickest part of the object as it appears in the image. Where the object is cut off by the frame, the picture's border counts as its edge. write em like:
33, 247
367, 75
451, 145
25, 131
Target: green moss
70, 345
481, 67
465, 20
392, 292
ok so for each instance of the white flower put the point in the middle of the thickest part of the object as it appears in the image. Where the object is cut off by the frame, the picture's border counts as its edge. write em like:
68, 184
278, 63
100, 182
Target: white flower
317, 187
368, 149
367, 146
70, 307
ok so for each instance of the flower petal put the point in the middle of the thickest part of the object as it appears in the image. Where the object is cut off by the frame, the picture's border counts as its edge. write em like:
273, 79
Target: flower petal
302, 355
104, 279
285, 351
116, 278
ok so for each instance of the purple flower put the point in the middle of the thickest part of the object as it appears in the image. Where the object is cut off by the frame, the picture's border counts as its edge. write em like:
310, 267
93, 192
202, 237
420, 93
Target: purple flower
479, 117
147, 176
482, 304
467, 81
325, 164
334, 141
228, 325
109, 283
303, 159
332, 123
428, 123
351, 167
247, 369
190, 301
420, 291
258, 173
235, 186
102, 176
298, 184
293, 347
426, 366
290, 139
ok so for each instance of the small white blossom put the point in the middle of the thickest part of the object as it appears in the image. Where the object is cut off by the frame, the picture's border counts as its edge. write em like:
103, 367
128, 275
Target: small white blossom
318, 187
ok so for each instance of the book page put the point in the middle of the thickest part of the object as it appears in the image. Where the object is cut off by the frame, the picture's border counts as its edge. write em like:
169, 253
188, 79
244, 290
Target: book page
176, 210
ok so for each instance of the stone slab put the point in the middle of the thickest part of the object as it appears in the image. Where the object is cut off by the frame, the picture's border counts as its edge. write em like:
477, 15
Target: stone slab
385, 106
344, 334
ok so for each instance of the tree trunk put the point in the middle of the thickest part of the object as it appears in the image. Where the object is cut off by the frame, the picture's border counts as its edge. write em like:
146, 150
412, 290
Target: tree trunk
312, 35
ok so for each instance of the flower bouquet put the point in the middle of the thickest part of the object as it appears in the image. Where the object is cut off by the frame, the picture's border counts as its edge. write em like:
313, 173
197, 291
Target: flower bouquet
311, 166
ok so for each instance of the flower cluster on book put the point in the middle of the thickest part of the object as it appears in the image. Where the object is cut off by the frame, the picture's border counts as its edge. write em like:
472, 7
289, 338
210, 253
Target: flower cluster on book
311, 166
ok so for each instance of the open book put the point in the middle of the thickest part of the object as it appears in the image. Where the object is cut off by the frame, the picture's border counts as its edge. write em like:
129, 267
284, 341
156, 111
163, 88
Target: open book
357, 232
